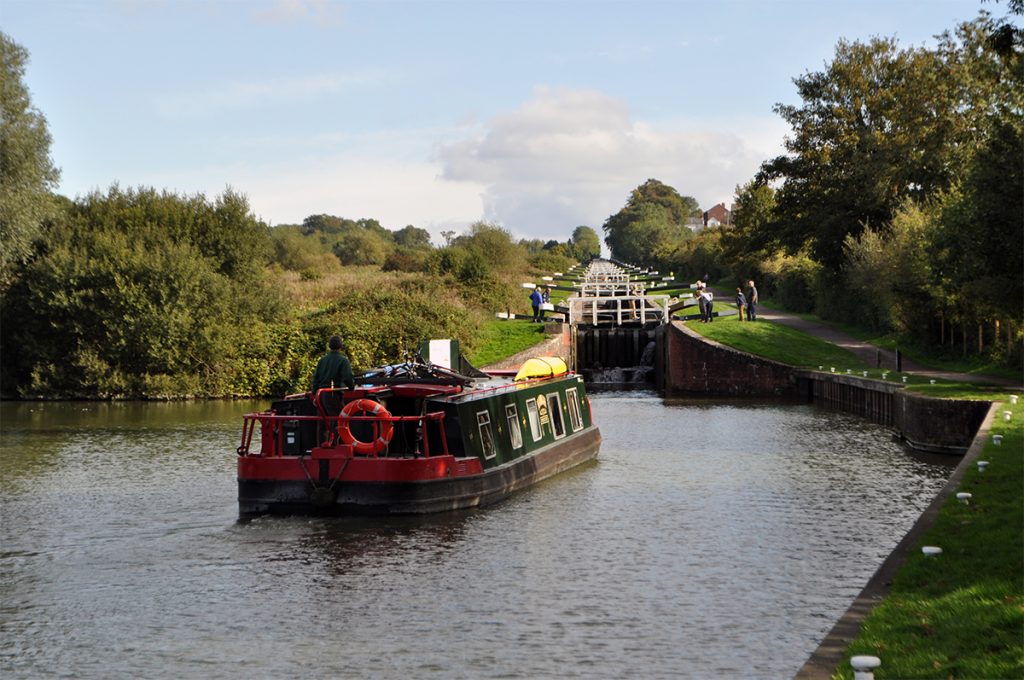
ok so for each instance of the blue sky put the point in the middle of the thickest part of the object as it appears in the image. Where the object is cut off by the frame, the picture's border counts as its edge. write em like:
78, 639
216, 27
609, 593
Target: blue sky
539, 116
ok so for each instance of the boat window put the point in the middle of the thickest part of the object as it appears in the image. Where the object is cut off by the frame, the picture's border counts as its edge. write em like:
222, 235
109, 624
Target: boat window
483, 420
575, 418
514, 433
555, 406
534, 415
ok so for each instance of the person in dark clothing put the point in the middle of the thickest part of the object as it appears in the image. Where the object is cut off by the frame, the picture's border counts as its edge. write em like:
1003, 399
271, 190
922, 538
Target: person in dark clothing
741, 302
333, 369
535, 300
751, 301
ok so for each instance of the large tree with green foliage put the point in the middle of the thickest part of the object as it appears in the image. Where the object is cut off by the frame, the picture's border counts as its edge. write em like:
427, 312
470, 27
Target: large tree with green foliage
27, 174
586, 244
651, 226
875, 128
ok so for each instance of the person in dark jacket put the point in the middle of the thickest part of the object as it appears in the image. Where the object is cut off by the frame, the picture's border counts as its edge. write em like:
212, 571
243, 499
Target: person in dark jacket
751, 301
741, 302
333, 369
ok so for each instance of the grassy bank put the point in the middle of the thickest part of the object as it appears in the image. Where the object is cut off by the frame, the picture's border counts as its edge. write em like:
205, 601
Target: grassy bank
499, 339
926, 356
961, 614
778, 343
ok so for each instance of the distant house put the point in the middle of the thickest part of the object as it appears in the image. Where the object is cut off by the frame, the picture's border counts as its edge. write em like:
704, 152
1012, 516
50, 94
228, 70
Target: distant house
694, 224
717, 215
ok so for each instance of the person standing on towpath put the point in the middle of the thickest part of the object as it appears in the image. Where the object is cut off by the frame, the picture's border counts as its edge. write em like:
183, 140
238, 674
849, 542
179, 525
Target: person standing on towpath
333, 369
751, 301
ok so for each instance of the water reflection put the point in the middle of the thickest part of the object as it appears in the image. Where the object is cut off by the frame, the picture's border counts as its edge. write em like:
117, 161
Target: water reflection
707, 537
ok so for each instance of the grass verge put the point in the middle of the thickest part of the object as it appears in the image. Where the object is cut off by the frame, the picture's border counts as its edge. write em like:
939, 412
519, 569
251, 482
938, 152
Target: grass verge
500, 339
779, 343
961, 614
922, 355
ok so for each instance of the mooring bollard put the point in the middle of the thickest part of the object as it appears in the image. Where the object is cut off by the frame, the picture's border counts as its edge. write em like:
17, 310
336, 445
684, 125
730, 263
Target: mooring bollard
849, 371
1007, 415
904, 378
863, 667
997, 439
832, 368
865, 374
1013, 398
982, 464
964, 497
931, 382
931, 550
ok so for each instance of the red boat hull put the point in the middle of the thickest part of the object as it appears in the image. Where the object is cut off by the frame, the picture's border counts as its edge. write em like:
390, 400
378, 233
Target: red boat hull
327, 484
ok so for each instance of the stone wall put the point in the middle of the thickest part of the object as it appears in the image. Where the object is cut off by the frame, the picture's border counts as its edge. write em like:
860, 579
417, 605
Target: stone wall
692, 364
938, 425
689, 363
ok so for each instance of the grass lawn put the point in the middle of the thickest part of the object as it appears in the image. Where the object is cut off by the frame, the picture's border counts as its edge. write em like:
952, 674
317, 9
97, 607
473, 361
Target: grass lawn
961, 614
780, 343
924, 356
502, 338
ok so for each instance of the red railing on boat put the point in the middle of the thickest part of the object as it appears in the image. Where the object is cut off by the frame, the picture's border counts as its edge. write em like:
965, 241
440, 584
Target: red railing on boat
270, 424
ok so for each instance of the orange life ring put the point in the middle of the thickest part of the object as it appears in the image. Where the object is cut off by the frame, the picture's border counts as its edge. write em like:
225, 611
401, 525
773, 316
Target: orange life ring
374, 408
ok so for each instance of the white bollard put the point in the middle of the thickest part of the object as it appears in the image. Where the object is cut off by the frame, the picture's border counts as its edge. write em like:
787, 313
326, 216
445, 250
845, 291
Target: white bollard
821, 368
964, 497
931, 550
982, 464
865, 374
1007, 415
849, 371
904, 378
863, 667
997, 439
931, 382
1013, 398
833, 369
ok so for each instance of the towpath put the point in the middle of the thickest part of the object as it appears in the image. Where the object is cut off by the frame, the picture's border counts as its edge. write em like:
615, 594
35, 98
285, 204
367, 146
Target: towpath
872, 354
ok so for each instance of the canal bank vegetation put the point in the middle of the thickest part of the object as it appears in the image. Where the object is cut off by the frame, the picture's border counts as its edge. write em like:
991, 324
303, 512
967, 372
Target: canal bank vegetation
139, 293
961, 614
896, 207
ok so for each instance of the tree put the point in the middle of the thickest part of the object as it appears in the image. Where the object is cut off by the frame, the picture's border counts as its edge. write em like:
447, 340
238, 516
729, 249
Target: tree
27, 174
412, 237
586, 244
361, 246
881, 125
651, 225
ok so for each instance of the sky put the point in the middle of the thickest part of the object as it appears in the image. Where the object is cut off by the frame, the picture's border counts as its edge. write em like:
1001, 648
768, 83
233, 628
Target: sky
537, 116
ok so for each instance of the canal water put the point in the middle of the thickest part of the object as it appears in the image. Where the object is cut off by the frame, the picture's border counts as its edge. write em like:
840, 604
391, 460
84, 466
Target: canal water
710, 539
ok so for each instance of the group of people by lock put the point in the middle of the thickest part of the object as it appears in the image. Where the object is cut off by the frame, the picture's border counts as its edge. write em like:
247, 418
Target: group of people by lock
335, 370
745, 303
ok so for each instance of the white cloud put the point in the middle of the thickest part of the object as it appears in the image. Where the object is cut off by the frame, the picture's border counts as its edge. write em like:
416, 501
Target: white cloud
571, 157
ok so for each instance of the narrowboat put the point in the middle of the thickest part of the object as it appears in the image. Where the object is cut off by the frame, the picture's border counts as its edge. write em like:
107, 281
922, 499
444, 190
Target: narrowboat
416, 437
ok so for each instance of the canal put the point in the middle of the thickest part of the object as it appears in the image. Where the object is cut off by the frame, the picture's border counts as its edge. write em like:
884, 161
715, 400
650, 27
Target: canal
710, 539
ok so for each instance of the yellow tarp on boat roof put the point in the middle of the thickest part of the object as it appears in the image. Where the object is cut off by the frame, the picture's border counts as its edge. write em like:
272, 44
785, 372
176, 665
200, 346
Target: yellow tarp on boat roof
542, 367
